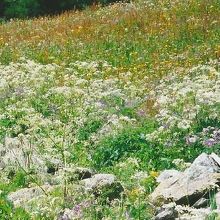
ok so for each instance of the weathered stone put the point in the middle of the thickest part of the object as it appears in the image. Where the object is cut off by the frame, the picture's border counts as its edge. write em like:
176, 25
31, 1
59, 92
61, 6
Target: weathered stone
20, 197
17, 153
166, 174
203, 165
194, 183
48, 179
172, 211
167, 212
216, 158
99, 180
104, 185
165, 215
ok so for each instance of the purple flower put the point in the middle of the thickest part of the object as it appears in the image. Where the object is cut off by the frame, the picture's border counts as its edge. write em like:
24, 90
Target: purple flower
77, 209
141, 112
209, 142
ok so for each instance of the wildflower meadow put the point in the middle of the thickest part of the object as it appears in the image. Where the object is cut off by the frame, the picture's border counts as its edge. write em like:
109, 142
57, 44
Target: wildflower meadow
120, 93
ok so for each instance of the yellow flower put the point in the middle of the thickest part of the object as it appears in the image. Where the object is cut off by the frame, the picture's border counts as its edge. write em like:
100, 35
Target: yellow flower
154, 174
134, 192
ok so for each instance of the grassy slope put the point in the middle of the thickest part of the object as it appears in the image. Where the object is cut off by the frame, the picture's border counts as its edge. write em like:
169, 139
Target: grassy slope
147, 38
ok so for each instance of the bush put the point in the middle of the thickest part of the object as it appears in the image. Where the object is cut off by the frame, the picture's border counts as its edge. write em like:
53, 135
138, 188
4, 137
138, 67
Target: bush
32, 8
21, 8
129, 142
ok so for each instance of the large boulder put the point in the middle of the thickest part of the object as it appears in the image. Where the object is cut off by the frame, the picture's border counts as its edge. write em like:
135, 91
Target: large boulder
104, 187
17, 152
167, 174
191, 185
25, 195
98, 181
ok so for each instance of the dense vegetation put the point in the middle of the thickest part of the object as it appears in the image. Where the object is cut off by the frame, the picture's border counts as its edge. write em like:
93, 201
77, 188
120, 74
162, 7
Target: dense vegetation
32, 8
129, 89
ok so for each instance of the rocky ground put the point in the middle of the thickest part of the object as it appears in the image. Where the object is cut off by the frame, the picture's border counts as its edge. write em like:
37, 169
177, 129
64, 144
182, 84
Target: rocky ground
192, 193
189, 194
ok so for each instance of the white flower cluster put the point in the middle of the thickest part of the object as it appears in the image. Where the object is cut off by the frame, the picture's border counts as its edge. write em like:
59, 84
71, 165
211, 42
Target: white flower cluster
50, 102
180, 100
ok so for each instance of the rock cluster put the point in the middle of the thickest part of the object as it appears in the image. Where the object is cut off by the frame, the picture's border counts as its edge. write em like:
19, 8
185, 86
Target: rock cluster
102, 186
191, 194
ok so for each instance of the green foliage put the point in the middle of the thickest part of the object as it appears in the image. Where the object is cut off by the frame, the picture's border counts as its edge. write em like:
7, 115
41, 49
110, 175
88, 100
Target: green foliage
88, 129
17, 180
21, 8
7, 211
130, 143
126, 143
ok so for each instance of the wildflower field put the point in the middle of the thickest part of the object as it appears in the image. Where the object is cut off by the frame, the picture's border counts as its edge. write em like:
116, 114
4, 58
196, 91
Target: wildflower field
129, 89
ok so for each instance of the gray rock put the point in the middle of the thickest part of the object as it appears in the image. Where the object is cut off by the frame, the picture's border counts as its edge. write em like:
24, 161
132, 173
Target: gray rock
104, 185
166, 174
172, 211
18, 153
194, 183
203, 165
22, 196
98, 181
165, 215
216, 158
167, 212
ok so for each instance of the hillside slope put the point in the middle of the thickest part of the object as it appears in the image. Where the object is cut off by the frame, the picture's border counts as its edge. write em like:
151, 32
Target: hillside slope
152, 35
115, 95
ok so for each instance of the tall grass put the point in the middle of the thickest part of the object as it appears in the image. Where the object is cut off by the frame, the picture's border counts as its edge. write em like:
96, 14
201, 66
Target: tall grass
147, 37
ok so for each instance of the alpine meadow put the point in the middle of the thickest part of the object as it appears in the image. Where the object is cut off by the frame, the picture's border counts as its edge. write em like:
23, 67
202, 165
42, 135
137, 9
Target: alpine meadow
111, 111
